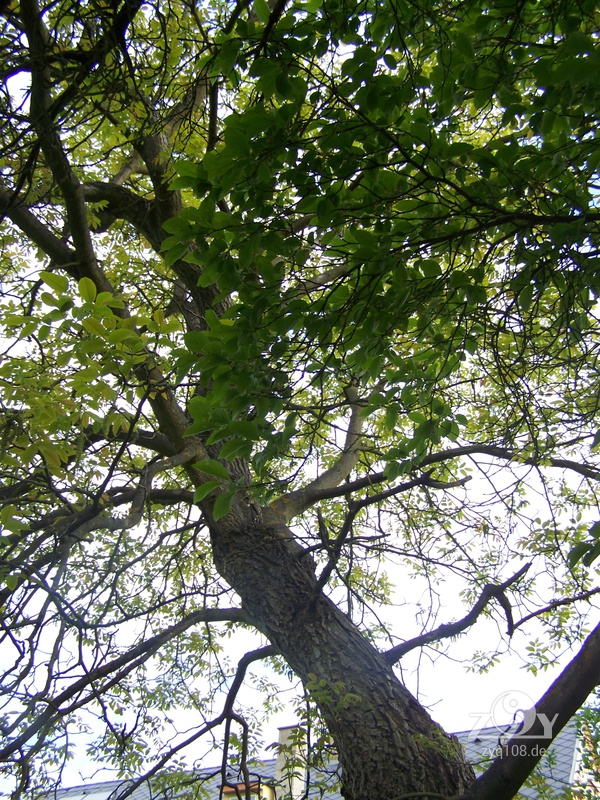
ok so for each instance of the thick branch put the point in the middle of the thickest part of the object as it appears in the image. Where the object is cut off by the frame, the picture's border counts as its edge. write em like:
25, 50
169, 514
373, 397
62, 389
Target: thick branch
294, 503
51, 145
136, 165
512, 455
453, 628
125, 204
320, 493
151, 440
520, 755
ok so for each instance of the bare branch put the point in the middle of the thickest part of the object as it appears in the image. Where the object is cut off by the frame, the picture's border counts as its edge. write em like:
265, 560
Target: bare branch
308, 285
134, 166
192, 452
453, 628
55, 707
225, 716
565, 601
502, 453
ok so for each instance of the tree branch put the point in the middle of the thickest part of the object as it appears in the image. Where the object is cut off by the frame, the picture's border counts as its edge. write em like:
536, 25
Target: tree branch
125, 204
225, 715
12, 206
519, 756
319, 493
122, 665
490, 590
308, 285
51, 146
294, 503
192, 452
565, 601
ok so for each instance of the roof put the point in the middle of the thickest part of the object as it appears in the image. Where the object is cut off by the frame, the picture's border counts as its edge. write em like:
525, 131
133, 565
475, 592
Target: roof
556, 770
204, 783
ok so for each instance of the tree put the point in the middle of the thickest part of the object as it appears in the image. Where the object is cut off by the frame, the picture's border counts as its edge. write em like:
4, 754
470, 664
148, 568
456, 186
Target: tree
294, 293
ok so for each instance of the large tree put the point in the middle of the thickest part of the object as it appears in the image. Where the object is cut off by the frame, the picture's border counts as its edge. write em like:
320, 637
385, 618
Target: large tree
298, 299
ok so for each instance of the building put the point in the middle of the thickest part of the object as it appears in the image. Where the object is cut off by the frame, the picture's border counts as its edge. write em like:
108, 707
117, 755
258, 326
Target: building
273, 779
556, 771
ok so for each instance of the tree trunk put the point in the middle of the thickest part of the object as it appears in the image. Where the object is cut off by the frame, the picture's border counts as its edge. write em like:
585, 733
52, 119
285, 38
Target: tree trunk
387, 743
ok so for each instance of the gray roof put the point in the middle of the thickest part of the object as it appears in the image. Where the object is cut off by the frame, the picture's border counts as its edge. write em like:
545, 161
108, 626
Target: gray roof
205, 783
557, 770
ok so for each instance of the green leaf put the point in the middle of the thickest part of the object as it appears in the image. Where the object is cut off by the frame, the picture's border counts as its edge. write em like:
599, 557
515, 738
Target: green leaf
94, 327
223, 503
236, 448
525, 298
262, 10
50, 299
592, 555
87, 289
58, 283
594, 530
122, 335
174, 253
205, 489
577, 553
212, 467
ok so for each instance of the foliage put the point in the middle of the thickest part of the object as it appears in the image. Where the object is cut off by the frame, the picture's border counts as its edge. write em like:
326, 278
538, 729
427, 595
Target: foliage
588, 720
336, 260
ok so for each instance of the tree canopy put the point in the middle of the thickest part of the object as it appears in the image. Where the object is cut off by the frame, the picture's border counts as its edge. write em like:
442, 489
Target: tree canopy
298, 307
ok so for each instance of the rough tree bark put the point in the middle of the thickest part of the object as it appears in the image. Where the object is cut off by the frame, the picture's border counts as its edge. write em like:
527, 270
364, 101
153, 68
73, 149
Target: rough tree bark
386, 741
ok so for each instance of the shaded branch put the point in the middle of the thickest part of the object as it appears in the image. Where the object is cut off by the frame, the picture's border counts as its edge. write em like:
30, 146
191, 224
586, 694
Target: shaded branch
335, 548
565, 601
150, 440
513, 455
424, 481
320, 493
125, 204
12, 206
277, 8
51, 146
446, 630
551, 713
